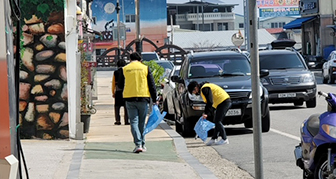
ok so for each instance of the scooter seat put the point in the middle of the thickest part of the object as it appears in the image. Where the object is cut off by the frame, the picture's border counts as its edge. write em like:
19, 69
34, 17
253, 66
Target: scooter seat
313, 124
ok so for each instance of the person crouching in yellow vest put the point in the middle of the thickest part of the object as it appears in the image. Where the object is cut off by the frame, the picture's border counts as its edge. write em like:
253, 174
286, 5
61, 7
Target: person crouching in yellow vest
216, 98
138, 87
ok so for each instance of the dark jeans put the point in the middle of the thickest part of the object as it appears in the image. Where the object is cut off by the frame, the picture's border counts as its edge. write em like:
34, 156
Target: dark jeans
117, 114
221, 110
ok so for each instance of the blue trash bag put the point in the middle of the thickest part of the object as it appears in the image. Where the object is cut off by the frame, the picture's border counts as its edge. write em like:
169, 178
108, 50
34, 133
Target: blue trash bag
202, 127
154, 119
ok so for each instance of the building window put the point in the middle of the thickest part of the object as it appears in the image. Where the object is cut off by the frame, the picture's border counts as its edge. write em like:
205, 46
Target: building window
281, 24
129, 18
222, 26
274, 25
241, 25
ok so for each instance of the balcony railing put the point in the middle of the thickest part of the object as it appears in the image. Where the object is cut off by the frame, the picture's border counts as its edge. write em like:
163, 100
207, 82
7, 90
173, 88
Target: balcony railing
207, 16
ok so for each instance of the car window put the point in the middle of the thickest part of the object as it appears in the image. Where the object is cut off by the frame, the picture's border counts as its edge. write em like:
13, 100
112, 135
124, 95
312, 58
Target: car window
149, 56
283, 61
219, 66
176, 72
166, 64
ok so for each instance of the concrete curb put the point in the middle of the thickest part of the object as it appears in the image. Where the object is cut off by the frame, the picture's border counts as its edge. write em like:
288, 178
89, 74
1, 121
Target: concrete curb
76, 161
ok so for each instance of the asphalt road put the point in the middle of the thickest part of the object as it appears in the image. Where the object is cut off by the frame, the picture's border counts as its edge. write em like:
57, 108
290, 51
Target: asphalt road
278, 144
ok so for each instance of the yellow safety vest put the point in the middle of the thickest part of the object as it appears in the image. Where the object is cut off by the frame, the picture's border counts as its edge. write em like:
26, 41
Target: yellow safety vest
136, 84
218, 94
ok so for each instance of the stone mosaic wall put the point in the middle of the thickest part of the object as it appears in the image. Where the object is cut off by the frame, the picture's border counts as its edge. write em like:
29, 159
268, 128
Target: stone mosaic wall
43, 78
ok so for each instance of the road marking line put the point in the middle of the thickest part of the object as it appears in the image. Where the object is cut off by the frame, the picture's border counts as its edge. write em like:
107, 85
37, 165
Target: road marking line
286, 134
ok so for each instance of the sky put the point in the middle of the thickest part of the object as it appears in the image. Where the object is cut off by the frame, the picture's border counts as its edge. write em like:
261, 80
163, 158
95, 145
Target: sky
238, 9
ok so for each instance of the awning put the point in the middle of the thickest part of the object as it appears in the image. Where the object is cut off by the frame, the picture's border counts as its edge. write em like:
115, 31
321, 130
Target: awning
296, 24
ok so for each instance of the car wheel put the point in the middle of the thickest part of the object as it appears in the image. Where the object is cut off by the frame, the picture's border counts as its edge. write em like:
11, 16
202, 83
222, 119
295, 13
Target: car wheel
311, 103
298, 103
187, 128
266, 122
331, 78
178, 127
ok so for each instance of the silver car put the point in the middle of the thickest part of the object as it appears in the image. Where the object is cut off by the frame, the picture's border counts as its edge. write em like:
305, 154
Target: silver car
329, 69
168, 93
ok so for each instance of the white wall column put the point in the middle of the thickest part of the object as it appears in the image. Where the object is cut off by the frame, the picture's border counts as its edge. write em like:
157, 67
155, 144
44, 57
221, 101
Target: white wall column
73, 71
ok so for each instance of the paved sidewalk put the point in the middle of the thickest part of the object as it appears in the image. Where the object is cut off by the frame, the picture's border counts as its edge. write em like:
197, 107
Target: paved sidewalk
106, 151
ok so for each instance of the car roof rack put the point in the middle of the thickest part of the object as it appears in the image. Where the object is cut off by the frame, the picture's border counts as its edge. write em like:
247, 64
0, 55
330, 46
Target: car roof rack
283, 44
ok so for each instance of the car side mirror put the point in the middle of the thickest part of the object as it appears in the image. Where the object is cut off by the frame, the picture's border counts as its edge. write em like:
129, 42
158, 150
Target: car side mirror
264, 73
176, 79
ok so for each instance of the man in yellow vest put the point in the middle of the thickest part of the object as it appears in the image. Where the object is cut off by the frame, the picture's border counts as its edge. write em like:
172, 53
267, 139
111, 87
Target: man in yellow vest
138, 87
216, 98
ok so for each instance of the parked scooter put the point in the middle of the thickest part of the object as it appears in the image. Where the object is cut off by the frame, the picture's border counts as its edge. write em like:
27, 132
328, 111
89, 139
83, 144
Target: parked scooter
316, 153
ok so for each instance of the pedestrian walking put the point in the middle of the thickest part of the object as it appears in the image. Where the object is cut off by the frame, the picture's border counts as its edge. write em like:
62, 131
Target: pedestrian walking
117, 94
218, 103
139, 88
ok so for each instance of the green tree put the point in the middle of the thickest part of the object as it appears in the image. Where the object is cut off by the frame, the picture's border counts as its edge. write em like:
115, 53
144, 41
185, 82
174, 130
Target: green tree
156, 70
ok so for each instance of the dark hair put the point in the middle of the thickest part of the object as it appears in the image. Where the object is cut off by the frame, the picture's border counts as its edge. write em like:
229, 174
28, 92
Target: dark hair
201, 84
192, 85
135, 56
121, 63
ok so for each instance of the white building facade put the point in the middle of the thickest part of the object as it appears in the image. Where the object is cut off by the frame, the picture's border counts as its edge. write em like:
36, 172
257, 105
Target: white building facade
203, 16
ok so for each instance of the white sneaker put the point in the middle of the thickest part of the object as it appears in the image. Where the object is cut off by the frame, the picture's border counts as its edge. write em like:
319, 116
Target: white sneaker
137, 149
144, 149
222, 141
211, 142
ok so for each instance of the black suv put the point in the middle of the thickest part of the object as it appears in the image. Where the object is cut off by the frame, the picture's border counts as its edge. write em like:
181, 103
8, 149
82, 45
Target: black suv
289, 79
228, 69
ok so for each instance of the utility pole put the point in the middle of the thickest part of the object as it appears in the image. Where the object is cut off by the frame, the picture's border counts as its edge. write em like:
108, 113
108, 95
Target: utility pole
246, 26
138, 46
256, 108
118, 30
123, 16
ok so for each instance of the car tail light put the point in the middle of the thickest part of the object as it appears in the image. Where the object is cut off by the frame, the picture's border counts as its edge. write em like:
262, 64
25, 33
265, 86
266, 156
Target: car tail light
162, 85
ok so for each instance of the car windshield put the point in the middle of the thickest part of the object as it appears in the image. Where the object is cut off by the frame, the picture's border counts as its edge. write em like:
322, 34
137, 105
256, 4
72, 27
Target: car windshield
226, 66
284, 61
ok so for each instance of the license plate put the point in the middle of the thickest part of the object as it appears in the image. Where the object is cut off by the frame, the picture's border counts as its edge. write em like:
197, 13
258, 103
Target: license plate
233, 112
286, 95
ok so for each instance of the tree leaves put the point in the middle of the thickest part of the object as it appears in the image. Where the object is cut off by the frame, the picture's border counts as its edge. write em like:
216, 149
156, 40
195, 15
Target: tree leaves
156, 69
